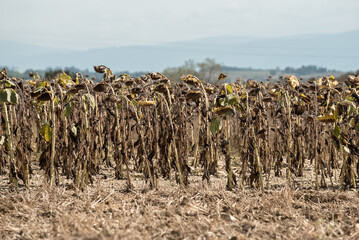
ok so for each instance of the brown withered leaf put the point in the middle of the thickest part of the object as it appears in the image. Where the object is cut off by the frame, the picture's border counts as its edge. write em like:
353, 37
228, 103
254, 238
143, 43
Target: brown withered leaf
3, 74
221, 77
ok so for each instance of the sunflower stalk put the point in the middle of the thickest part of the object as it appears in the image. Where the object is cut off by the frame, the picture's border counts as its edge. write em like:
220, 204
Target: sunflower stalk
316, 170
53, 138
289, 139
12, 172
173, 137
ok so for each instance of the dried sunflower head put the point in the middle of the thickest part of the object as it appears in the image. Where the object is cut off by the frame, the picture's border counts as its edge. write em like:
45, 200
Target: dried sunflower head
210, 90
100, 68
147, 103
223, 110
100, 87
191, 80
193, 95
293, 81
45, 96
252, 84
353, 80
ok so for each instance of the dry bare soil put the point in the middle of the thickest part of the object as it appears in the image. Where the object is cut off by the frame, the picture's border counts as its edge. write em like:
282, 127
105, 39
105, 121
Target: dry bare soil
105, 210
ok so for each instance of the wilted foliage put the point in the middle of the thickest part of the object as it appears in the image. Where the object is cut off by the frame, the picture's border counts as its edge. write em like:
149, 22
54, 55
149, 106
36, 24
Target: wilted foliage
154, 126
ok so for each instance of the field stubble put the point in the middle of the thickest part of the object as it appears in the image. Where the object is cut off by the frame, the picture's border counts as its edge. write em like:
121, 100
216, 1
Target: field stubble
105, 210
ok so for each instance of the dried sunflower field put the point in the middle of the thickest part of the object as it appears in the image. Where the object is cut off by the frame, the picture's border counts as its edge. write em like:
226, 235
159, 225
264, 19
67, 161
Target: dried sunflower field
152, 158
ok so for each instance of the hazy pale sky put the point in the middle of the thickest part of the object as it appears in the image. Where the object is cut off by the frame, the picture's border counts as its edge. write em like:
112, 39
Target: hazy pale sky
87, 24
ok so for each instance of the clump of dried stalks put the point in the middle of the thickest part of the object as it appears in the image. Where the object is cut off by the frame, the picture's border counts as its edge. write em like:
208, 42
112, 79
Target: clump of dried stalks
159, 128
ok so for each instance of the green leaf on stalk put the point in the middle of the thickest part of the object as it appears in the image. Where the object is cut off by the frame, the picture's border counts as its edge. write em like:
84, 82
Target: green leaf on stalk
68, 109
222, 102
64, 79
229, 89
336, 132
232, 99
280, 100
46, 131
8, 83
13, 97
5, 95
9, 96
42, 84
351, 110
216, 126
90, 99
350, 98
63, 76
357, 127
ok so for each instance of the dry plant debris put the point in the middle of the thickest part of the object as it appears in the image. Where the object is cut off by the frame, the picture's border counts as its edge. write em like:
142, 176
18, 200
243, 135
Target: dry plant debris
149, 157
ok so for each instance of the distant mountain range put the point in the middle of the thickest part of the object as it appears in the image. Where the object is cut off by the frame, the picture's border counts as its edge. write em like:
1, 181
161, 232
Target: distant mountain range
338, 51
